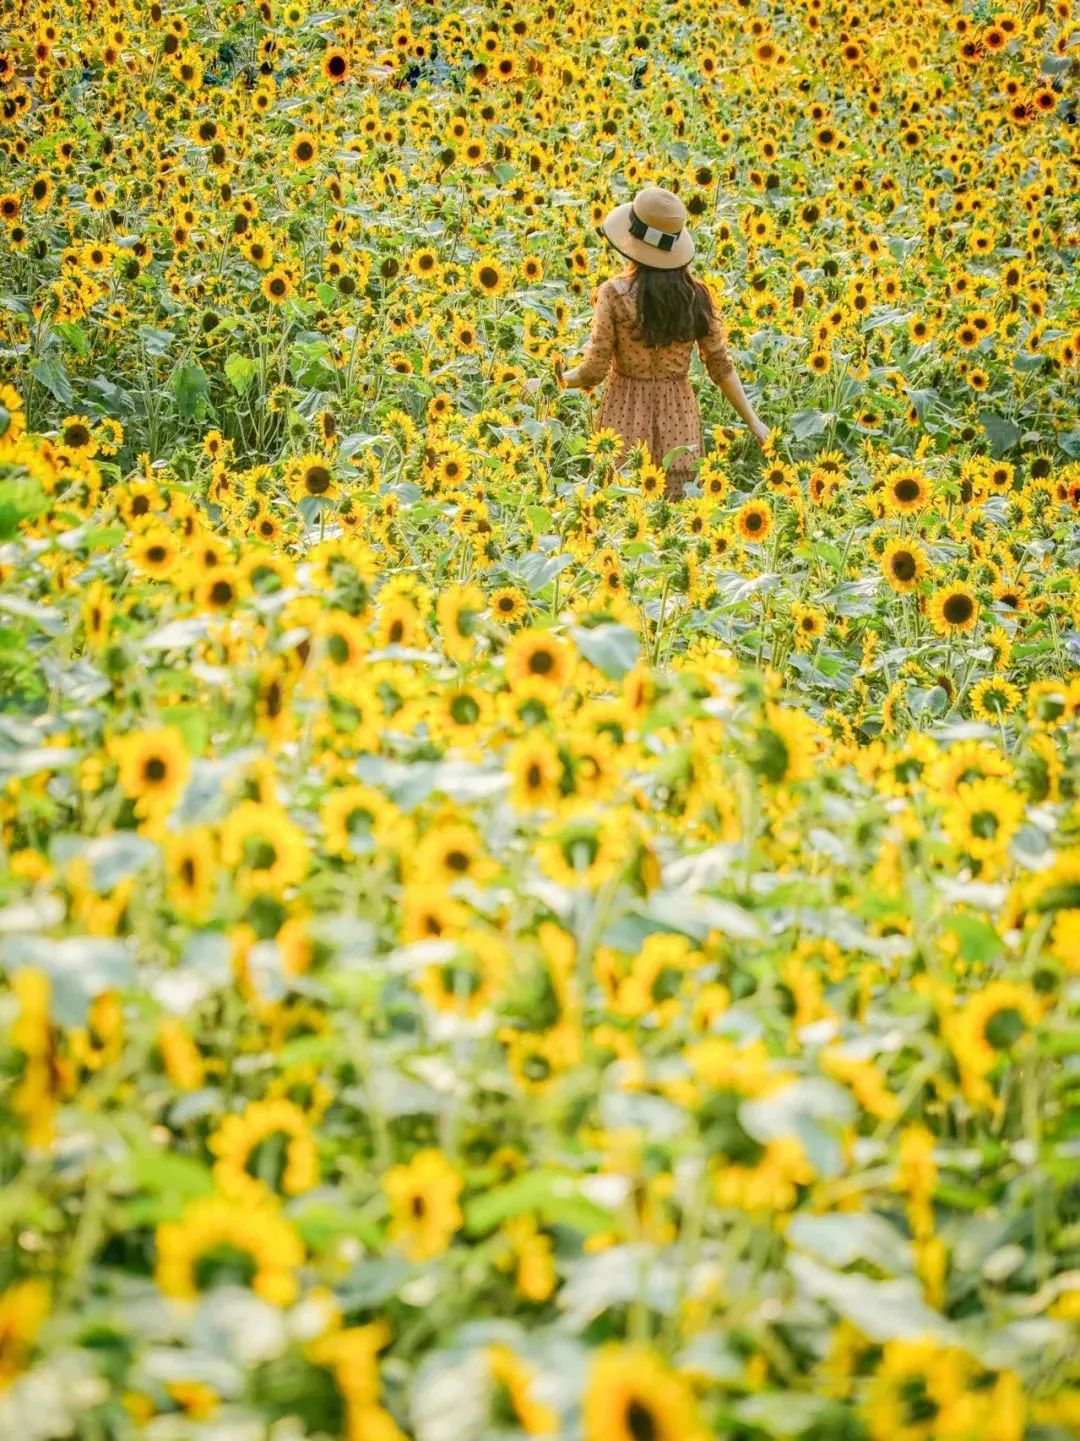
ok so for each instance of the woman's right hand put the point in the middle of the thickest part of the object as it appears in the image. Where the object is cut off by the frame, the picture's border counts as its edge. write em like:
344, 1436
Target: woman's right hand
760, 431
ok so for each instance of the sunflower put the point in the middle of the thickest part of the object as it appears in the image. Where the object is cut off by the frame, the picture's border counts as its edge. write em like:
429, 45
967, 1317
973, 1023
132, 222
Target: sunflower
452, 851
994, 698
809, 623
97, 610
464, 335
218, 591
424, 1210
155, 552
467, 982
12, 413
786, 746
922, 1391
538, 663
754, 520
982, 818
457, 611
24, 1307
631, 1395
77, 434
584, 852
782, 479
190, 869
953, 609
335, 65
266, 1148
903, 564
514, 1401
278, 284
489, 277
153, 768
242, 1239
399, 623
906, 491
536, 770
303, 151
987, 1027
508, 605
357, 818
267, 851
310, 477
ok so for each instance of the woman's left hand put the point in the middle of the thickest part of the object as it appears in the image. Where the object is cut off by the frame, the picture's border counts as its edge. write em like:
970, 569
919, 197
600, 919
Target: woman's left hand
760, 431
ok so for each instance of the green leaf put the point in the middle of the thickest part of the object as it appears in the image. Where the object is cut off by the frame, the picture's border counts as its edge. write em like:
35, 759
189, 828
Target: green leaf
806, 423
52, 375
74, 335
811, 1109
240, 371
882, 1310
172, 1178
79, 967
554, 1196
612, 648
1001, 433
192, 391
843, 1238
193, 723
321, 1222
537, 570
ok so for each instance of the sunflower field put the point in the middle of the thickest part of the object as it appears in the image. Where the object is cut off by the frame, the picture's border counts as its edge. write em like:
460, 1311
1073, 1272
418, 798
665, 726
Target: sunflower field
488, 950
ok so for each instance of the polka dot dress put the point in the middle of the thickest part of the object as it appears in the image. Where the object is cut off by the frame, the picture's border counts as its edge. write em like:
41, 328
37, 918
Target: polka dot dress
648, 396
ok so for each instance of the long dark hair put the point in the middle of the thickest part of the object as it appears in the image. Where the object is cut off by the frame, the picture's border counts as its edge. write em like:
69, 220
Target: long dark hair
671, 306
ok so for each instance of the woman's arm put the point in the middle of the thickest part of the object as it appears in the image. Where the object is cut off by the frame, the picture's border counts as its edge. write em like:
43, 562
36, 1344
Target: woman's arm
597, 358
731, 386
721, 367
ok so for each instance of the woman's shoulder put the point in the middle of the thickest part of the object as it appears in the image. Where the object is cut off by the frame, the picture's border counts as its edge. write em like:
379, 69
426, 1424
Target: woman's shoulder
617, 285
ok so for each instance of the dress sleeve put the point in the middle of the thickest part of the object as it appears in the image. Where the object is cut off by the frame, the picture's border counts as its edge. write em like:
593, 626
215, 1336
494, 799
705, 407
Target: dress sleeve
714, 351
598, 352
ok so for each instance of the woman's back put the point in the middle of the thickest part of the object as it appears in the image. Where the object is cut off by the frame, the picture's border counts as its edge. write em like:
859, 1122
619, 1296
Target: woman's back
619, 340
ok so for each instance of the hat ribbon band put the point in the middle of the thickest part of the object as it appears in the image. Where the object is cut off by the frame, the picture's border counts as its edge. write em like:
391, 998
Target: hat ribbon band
662, 239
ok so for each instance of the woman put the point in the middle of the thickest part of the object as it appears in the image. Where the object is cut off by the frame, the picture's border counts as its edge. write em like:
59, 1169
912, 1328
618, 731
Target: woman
645, 327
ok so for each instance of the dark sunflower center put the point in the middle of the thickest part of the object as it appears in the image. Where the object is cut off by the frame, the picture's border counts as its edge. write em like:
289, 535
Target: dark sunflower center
958, 609
464, 710
640, 1422
1004, 1027
906, 490
155, 769
542, 663
224, 1263
903, 565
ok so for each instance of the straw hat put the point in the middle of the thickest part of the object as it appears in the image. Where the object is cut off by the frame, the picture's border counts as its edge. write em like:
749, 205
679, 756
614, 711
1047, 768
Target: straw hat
651, 229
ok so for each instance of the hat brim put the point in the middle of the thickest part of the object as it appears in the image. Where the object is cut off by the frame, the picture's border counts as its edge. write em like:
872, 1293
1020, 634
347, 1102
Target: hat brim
616, 228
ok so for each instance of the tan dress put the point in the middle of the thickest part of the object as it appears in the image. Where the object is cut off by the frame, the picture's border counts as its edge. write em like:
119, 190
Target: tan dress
648, 395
